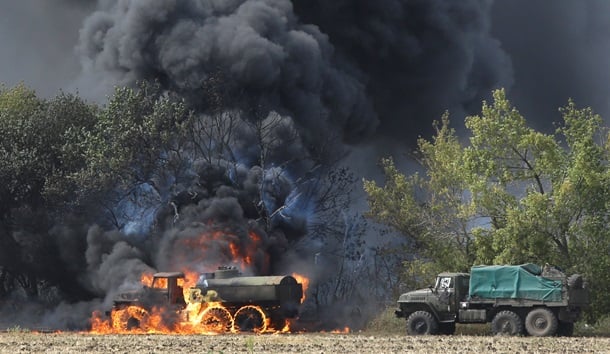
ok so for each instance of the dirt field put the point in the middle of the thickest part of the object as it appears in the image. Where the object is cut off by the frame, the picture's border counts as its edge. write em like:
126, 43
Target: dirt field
20, 342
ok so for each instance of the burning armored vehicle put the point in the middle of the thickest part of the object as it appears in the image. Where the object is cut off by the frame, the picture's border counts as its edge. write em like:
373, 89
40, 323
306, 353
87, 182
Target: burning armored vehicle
221, 301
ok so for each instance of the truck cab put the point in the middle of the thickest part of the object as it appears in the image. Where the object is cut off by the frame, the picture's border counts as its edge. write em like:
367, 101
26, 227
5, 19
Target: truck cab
164, 289
169, 285
442, 300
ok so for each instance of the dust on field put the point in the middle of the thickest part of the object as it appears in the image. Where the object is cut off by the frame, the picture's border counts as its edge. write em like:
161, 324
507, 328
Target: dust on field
15, 342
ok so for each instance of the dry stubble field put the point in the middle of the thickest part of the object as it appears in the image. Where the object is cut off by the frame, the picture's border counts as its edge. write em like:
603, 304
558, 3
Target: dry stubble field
23, 342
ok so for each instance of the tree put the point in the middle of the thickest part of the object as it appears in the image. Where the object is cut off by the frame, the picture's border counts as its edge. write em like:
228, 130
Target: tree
517, 195
134, 144
38, 150
546, 195
432, 211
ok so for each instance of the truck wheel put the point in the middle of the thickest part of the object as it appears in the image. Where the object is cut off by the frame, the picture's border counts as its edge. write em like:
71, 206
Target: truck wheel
129, 318
216, 319
565, 329
250, 319
507, 323
421, 322
541, 322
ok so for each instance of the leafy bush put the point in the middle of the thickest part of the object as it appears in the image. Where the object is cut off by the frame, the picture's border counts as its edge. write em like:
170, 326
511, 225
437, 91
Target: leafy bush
601, 328
386, 322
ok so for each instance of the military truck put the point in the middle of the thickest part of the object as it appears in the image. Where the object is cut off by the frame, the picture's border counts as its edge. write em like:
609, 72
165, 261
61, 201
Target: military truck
231, 301
516, 299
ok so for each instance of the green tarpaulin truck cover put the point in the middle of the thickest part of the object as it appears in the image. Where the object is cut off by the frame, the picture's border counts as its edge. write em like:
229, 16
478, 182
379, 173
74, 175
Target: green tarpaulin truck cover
513, 282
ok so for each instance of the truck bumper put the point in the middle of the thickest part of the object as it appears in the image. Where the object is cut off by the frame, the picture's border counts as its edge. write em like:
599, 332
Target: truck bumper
399, 313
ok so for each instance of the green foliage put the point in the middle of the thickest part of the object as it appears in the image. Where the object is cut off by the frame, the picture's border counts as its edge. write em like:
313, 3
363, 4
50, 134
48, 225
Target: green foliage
249, 344
39, 148
512, 195
138, 125
600, 328
18, 329
432, 210
421, 273
20, 147
386, 323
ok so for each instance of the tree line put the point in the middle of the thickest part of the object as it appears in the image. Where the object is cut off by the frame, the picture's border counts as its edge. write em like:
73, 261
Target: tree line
507, 195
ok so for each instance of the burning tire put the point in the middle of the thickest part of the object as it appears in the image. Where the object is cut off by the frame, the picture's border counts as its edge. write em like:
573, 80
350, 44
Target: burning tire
250, 319
129, 318
507, 323
541, 322
421, 322
216, 319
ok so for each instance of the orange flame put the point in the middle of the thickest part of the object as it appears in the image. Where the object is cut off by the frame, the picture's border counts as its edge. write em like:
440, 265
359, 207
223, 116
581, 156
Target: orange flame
344, 330
304, 282
194, 318
212, 318
241, 252
147, 280
198, 317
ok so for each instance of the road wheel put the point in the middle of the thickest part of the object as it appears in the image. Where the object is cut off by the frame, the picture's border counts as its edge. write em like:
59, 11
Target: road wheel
541, 322
250, 319
507, 323
565, 329
421, 322
216, 319
129, 318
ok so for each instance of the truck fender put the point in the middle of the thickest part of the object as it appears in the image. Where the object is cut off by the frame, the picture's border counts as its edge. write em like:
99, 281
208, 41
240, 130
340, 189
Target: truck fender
406, 311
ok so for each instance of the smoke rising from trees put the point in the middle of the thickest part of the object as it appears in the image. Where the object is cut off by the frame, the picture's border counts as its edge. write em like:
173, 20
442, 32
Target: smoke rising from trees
328, 76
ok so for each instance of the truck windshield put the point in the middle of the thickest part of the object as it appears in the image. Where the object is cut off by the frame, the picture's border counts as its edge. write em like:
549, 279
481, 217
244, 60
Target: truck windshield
159, 283
444, 283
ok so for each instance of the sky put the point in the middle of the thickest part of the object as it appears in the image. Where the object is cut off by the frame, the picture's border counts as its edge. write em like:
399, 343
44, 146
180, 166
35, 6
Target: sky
38, 40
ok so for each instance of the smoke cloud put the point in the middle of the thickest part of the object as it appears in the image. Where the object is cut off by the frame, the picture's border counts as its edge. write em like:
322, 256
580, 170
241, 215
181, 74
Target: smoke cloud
259, 46
367, 77
558, 52
418, 58
349, 65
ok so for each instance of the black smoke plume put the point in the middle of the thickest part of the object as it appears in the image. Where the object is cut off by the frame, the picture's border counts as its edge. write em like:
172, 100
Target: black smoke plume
321, 76
417, 58
342, 65
333, 76
558, 52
